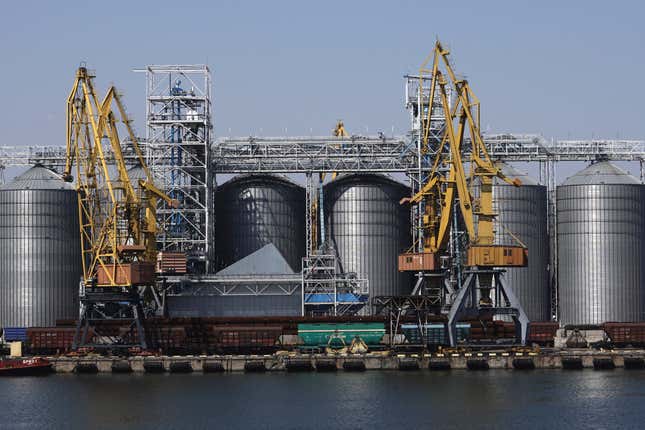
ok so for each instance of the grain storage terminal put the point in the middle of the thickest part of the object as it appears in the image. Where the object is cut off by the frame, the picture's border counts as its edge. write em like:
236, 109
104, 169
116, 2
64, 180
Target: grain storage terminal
181, 243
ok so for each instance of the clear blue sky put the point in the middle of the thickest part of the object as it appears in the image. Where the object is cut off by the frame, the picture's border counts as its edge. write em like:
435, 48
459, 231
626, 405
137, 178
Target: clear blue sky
563, 69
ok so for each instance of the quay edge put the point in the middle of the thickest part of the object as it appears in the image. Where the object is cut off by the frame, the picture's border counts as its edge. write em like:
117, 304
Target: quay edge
375, 361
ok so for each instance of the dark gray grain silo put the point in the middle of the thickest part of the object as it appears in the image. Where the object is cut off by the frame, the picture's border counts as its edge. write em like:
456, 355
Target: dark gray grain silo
252, 211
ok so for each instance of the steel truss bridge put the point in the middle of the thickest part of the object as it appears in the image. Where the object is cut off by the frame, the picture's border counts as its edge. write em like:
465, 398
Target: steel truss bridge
310, 155
357, 153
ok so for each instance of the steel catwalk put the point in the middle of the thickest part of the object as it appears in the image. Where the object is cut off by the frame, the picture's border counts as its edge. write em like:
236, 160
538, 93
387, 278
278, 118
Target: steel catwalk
369, 228
601, 246
255, 210
40, 263
523, 212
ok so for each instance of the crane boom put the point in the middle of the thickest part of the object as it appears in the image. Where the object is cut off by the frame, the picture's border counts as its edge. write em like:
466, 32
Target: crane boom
317, 199
118, 223
456, 206
448, 181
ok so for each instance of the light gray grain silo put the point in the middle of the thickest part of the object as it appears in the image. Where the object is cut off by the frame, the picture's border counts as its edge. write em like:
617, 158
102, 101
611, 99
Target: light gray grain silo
40, 264
601, 246
136, 173
369, 229
522, 211
252, 211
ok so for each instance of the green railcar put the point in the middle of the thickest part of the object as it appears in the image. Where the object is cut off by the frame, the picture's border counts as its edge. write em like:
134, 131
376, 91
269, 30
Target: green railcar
335, 334
435, 334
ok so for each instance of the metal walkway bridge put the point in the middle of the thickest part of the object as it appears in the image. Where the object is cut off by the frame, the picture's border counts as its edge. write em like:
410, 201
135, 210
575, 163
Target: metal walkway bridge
356, 154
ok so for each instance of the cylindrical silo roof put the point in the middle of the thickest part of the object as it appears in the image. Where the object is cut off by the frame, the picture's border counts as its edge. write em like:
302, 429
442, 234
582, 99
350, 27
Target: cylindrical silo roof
602, 172
38, 178
513, 173
136, 172
258, 177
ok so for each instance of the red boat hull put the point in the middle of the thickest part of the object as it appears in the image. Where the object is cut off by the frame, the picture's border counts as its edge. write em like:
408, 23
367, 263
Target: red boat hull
25, 367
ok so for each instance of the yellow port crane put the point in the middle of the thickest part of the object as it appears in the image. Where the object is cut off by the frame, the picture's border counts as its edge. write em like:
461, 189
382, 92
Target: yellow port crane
339, 130
458, 191
449, 182
317, 215
117, 219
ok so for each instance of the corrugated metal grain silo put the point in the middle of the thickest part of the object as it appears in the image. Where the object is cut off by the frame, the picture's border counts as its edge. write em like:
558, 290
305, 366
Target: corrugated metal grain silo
40, 263
252, 211
601, 246
369, 228
135, 173
522, 211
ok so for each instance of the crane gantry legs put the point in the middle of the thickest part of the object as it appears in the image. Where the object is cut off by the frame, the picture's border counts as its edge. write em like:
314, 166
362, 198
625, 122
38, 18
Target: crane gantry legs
117, 217
456, 258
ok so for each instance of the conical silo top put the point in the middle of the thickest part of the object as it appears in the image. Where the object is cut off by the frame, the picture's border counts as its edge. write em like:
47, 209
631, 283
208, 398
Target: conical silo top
603, 172
513, 173
135, 173
38, 178
262, 178
367, 177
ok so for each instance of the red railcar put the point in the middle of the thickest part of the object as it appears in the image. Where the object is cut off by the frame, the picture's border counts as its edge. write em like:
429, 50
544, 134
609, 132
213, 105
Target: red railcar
246, 339
491, 330
200, 335
542, 333
625, 334
50, 340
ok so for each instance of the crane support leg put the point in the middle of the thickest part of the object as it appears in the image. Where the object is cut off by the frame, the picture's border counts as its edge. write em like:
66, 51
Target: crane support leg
520, 319
98, 309
458, 309
468, 303
417, 286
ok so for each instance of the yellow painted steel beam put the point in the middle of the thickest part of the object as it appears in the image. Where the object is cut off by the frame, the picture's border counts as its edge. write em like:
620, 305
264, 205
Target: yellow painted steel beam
117, 226
448, 178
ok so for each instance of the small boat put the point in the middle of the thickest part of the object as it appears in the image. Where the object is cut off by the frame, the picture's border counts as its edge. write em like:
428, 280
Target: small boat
25, 367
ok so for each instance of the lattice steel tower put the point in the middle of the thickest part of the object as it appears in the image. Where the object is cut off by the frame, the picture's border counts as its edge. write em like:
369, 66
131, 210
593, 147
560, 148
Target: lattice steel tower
417, 97
178, 140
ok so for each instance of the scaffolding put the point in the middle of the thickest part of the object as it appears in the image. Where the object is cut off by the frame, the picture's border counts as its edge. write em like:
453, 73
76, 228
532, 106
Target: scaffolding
177, 148
417, 101
327, 290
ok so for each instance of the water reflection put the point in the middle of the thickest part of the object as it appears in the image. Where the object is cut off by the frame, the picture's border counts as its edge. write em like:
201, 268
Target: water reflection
456, 399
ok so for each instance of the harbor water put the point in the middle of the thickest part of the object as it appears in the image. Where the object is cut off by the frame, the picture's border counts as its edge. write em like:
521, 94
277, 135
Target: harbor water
422, 399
